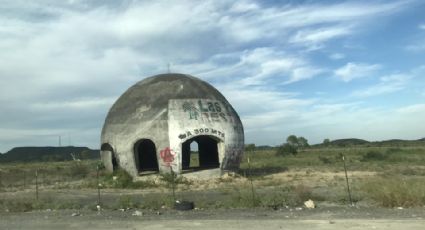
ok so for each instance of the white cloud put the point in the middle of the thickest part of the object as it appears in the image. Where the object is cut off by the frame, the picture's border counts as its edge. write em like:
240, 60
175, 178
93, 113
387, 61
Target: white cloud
353, 71
337, 56
422, 26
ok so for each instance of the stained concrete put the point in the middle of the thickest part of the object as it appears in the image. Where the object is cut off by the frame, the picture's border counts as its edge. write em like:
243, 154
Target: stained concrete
171, 110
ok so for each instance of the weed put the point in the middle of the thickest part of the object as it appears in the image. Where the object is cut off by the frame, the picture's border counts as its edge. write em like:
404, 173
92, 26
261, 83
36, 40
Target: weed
127, 202
243, 199
396, 191
172, 178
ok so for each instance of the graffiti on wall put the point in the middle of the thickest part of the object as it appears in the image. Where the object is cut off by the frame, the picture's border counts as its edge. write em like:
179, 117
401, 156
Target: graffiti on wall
205, 110
202, 131
167, 155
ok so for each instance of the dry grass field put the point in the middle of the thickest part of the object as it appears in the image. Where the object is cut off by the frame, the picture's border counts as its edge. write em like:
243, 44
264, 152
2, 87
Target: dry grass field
378, 177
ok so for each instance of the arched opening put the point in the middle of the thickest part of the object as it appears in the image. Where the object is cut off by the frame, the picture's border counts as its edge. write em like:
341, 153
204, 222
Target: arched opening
106, 147
200, 152
145, 156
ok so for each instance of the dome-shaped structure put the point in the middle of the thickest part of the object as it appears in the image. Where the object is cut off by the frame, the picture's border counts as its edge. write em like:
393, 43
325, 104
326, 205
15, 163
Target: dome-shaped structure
157, 123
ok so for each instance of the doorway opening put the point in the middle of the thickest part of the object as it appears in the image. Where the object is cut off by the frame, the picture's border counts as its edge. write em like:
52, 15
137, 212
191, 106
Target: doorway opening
106, 147
200, 152
145, 156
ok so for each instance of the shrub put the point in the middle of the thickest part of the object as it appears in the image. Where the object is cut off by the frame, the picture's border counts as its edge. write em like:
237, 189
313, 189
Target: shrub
78, 170
303, 193
325, 160
286, 149
374, 156
123, 179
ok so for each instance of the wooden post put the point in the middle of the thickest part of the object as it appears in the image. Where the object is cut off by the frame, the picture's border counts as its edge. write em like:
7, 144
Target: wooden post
25, 179
173, 184
36, 184
252, 184
346, 179
98, 185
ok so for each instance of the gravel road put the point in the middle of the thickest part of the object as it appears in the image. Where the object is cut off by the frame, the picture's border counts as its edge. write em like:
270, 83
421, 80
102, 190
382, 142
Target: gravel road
320, 218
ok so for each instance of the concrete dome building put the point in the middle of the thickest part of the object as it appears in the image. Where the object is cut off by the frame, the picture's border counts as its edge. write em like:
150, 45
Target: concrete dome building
157, 123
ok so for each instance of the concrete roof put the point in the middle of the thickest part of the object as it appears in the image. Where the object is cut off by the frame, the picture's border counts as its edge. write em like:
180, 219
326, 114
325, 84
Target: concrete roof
146, 99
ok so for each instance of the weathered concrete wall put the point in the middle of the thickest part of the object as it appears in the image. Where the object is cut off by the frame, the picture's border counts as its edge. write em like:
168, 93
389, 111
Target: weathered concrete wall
169, 109
189, 118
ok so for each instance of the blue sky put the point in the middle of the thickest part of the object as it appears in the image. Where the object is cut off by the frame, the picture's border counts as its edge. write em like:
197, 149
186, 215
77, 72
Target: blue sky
318, 69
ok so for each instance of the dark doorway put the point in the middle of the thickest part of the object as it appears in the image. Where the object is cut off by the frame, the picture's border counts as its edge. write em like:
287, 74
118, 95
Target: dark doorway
145, 156
107, 147
207, 153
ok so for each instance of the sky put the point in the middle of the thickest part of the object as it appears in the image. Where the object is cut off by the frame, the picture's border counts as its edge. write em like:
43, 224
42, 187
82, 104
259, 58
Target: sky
317, 69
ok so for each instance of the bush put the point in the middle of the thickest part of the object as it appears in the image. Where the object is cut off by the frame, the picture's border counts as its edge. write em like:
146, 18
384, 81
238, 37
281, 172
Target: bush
325, 160
286, 149
123, 179
374, 156
303, 193
78, 170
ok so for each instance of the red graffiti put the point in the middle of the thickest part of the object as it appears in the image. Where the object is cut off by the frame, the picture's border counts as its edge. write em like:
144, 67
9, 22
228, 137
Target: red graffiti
167, 155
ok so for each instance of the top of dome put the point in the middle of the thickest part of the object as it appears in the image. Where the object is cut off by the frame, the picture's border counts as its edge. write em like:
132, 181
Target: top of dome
147, 99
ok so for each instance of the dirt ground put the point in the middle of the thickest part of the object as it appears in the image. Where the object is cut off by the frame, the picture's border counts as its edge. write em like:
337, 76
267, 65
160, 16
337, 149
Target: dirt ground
319, 218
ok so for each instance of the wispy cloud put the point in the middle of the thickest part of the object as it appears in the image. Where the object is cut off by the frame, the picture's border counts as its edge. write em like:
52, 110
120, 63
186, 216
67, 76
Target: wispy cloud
352, 71
387, 84
314, 37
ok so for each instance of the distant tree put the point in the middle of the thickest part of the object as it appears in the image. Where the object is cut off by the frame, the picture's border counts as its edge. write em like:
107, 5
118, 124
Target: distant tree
293, 143
286, 149
302, 142
292, 140
326, 142
249, 147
